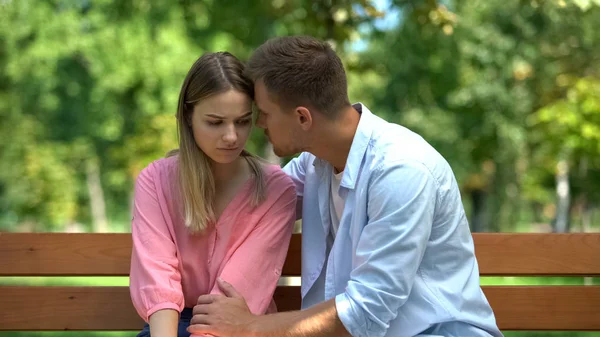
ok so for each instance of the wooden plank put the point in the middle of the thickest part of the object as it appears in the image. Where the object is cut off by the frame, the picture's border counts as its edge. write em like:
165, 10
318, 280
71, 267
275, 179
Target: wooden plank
86, 308
293, 258
546, 308
84, 254
522, 254
64, 254
109, 308
67, 308
287, 298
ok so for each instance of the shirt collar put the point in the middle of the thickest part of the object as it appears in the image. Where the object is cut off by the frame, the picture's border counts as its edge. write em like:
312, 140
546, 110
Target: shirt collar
360, 142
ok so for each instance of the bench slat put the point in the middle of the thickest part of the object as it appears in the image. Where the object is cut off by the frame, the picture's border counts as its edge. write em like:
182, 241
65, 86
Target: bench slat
67, 308
86, 254
545, 307
82, 254
537, 254
109, 308
64, 254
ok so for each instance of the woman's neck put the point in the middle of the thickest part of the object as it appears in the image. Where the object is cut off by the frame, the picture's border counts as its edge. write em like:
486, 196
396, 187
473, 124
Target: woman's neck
225, 173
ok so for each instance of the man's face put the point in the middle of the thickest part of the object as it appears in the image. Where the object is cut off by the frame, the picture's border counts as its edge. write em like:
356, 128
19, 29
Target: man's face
281, 127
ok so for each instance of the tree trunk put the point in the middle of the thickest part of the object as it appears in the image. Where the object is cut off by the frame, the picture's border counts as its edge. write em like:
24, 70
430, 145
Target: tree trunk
563, 194
497, 205
586, 209
586, 217
96, 193
478, 214
536, 210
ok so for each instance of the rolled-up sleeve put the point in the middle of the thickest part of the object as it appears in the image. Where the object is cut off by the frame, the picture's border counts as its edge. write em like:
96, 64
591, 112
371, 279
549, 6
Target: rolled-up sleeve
155, 280
255, 267
400, 210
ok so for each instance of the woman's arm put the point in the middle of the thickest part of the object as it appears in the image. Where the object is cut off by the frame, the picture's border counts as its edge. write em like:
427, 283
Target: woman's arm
164, 323
155, 280
255, 267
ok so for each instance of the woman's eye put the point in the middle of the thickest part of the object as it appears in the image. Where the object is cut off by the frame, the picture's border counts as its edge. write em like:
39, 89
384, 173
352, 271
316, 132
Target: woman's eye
244, 121
214, 123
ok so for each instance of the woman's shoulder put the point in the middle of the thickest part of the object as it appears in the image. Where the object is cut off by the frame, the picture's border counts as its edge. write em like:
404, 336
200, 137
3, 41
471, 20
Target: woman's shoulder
160, 168
275, 178
167, 163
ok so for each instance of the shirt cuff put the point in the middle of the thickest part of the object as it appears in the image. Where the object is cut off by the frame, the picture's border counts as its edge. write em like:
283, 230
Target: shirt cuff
162, 306
352, 320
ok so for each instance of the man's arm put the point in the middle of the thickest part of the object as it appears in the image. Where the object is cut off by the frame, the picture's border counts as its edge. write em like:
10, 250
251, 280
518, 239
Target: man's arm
229, 316
320, 320
400, 209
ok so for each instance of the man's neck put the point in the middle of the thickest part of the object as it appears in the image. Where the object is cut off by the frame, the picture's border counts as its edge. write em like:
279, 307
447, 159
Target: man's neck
334, 140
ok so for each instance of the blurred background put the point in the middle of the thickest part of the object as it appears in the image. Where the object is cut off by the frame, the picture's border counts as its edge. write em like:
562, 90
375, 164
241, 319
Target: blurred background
507, 90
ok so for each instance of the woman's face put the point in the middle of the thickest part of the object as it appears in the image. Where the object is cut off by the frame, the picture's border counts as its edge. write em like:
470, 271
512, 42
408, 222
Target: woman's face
221, 125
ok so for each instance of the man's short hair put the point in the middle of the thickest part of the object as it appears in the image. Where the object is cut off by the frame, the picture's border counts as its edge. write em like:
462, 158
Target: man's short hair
301, 71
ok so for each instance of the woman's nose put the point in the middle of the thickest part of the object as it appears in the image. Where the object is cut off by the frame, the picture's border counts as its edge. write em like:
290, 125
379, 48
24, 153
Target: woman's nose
230, 135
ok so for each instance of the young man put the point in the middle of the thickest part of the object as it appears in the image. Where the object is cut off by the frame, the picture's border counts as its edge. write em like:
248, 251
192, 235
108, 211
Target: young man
386, 247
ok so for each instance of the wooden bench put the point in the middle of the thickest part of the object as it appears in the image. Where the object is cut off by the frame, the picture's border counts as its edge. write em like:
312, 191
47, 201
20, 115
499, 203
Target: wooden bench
35, 308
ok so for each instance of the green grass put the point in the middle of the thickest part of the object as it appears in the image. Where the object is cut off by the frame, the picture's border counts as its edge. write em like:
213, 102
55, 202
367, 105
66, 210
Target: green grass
550, 334
124, 281
70, 334
133, 334
536, 281
65, 281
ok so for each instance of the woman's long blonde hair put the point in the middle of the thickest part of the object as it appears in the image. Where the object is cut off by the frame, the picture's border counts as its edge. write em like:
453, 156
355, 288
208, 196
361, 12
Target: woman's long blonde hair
211, 74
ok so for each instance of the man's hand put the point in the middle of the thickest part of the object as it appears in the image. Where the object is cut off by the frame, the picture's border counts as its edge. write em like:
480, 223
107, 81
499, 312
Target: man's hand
225, 315
228, 315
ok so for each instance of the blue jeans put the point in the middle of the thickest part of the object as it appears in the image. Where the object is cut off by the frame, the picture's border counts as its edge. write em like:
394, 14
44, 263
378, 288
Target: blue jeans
184, 322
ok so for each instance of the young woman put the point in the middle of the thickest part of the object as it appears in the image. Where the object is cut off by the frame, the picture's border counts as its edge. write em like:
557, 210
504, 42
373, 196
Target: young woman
209, 209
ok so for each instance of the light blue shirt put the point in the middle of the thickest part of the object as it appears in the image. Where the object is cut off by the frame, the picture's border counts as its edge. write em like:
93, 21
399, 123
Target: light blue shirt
402, 263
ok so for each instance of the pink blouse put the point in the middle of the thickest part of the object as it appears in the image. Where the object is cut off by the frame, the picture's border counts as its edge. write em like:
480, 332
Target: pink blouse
246, 247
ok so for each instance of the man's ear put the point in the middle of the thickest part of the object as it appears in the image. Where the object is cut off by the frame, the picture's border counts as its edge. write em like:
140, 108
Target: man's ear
304, 117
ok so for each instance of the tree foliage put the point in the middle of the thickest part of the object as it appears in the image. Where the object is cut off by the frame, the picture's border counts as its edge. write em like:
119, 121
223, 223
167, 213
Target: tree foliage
505, 90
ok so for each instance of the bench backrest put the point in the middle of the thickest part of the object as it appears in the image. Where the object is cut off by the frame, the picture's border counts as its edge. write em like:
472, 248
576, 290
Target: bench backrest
109, 308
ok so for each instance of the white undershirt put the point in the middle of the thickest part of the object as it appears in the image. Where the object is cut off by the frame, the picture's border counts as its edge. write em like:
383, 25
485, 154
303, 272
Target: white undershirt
336, 204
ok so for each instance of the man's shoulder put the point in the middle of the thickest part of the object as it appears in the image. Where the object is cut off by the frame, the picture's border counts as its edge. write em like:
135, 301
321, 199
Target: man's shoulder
396, 146
307, 157
395, 143
304, 159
